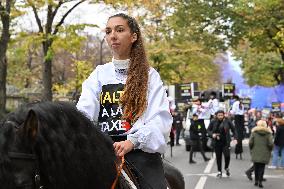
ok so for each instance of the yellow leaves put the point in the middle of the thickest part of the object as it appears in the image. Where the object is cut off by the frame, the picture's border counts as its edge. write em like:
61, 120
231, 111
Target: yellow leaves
182, 62
81, 70
69, 38
280, 37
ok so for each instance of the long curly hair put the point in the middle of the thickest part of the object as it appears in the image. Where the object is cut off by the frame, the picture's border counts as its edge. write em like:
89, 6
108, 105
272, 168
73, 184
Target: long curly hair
134, 99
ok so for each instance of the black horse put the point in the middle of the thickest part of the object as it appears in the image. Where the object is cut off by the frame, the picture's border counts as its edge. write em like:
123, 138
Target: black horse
53, 146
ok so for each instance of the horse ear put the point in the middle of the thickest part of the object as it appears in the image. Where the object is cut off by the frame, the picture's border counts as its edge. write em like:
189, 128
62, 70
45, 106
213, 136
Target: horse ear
31, 125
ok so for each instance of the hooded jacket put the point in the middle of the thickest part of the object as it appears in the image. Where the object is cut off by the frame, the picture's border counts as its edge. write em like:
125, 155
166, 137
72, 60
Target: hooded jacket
279, 135
224, 128
261, 144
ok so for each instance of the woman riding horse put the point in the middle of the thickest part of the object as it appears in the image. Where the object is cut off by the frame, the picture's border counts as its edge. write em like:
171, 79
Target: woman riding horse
127, 99
54, 146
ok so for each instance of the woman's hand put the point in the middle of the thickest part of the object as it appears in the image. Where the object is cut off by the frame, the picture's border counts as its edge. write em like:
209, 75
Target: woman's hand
123, 147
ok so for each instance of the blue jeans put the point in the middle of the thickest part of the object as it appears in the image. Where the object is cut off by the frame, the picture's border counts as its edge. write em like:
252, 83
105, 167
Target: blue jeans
277, 150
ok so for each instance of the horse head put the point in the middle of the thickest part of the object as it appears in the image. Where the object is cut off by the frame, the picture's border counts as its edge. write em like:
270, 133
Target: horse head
18, 162
55, 146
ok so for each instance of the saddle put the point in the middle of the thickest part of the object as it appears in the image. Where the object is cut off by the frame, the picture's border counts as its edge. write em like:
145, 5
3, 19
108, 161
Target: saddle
129, 180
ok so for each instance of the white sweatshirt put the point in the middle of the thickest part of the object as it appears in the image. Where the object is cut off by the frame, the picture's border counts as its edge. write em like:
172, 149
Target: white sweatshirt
213, 105
236, 109
151, 131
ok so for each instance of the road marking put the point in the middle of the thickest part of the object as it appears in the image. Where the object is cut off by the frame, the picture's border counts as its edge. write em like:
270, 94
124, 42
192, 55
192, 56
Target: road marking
273, 176
205, 174
202, 180
210, 165
225, 176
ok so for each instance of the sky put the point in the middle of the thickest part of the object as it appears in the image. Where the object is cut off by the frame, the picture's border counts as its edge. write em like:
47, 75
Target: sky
84, 13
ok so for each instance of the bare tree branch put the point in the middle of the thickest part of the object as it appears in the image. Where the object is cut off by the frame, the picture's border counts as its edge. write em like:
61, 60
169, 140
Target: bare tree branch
49, 21
65, 15
56, 9
36, 16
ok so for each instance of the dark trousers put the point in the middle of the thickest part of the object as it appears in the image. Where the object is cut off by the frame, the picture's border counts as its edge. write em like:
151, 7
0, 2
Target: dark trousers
196, 144
178, 130
251, 169
239, 124
148, 169
239, 146
259, 171
219, 150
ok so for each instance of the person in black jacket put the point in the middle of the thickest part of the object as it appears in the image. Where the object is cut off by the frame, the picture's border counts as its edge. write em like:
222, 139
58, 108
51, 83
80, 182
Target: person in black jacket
177, 124
197, 132
278, 148
220, 129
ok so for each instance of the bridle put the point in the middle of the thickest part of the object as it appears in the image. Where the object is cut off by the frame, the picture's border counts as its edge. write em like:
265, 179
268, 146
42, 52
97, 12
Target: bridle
23, 159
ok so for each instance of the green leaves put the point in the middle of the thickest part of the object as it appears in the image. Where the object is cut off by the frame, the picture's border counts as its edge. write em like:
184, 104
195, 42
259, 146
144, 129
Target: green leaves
230, 22
260, 68
81, 70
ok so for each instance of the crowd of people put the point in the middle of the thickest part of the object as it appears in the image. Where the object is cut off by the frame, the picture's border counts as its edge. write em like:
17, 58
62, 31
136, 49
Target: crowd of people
264, 130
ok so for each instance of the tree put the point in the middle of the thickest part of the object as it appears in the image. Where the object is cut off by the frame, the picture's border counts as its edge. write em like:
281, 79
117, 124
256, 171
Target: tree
259, 68
5, 14
260, 22
180, 53
24, 55
73, 66
48, 31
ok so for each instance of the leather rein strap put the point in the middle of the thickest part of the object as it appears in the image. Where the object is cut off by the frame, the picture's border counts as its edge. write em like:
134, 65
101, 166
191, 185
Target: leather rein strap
28, 157
118, 170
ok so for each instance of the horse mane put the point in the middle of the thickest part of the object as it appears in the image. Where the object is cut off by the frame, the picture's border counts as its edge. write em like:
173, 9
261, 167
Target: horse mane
72, 152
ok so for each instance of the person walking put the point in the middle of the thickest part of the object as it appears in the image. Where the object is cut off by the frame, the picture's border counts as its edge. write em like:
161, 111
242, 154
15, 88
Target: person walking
219, 130
238, 112
278, 149
177, 124
196, 132
203, 112
260, 145
251, 169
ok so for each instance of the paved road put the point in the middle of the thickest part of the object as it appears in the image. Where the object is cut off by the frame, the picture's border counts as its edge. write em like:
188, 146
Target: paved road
202, 175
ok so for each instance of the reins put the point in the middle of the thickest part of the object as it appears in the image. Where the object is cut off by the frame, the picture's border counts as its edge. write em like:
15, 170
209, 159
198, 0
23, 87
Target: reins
118, 170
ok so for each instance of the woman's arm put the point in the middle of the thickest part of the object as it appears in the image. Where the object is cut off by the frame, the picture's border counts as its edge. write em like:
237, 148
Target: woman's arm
270, 142
151, 131
210, 128
89, 100
251, 141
